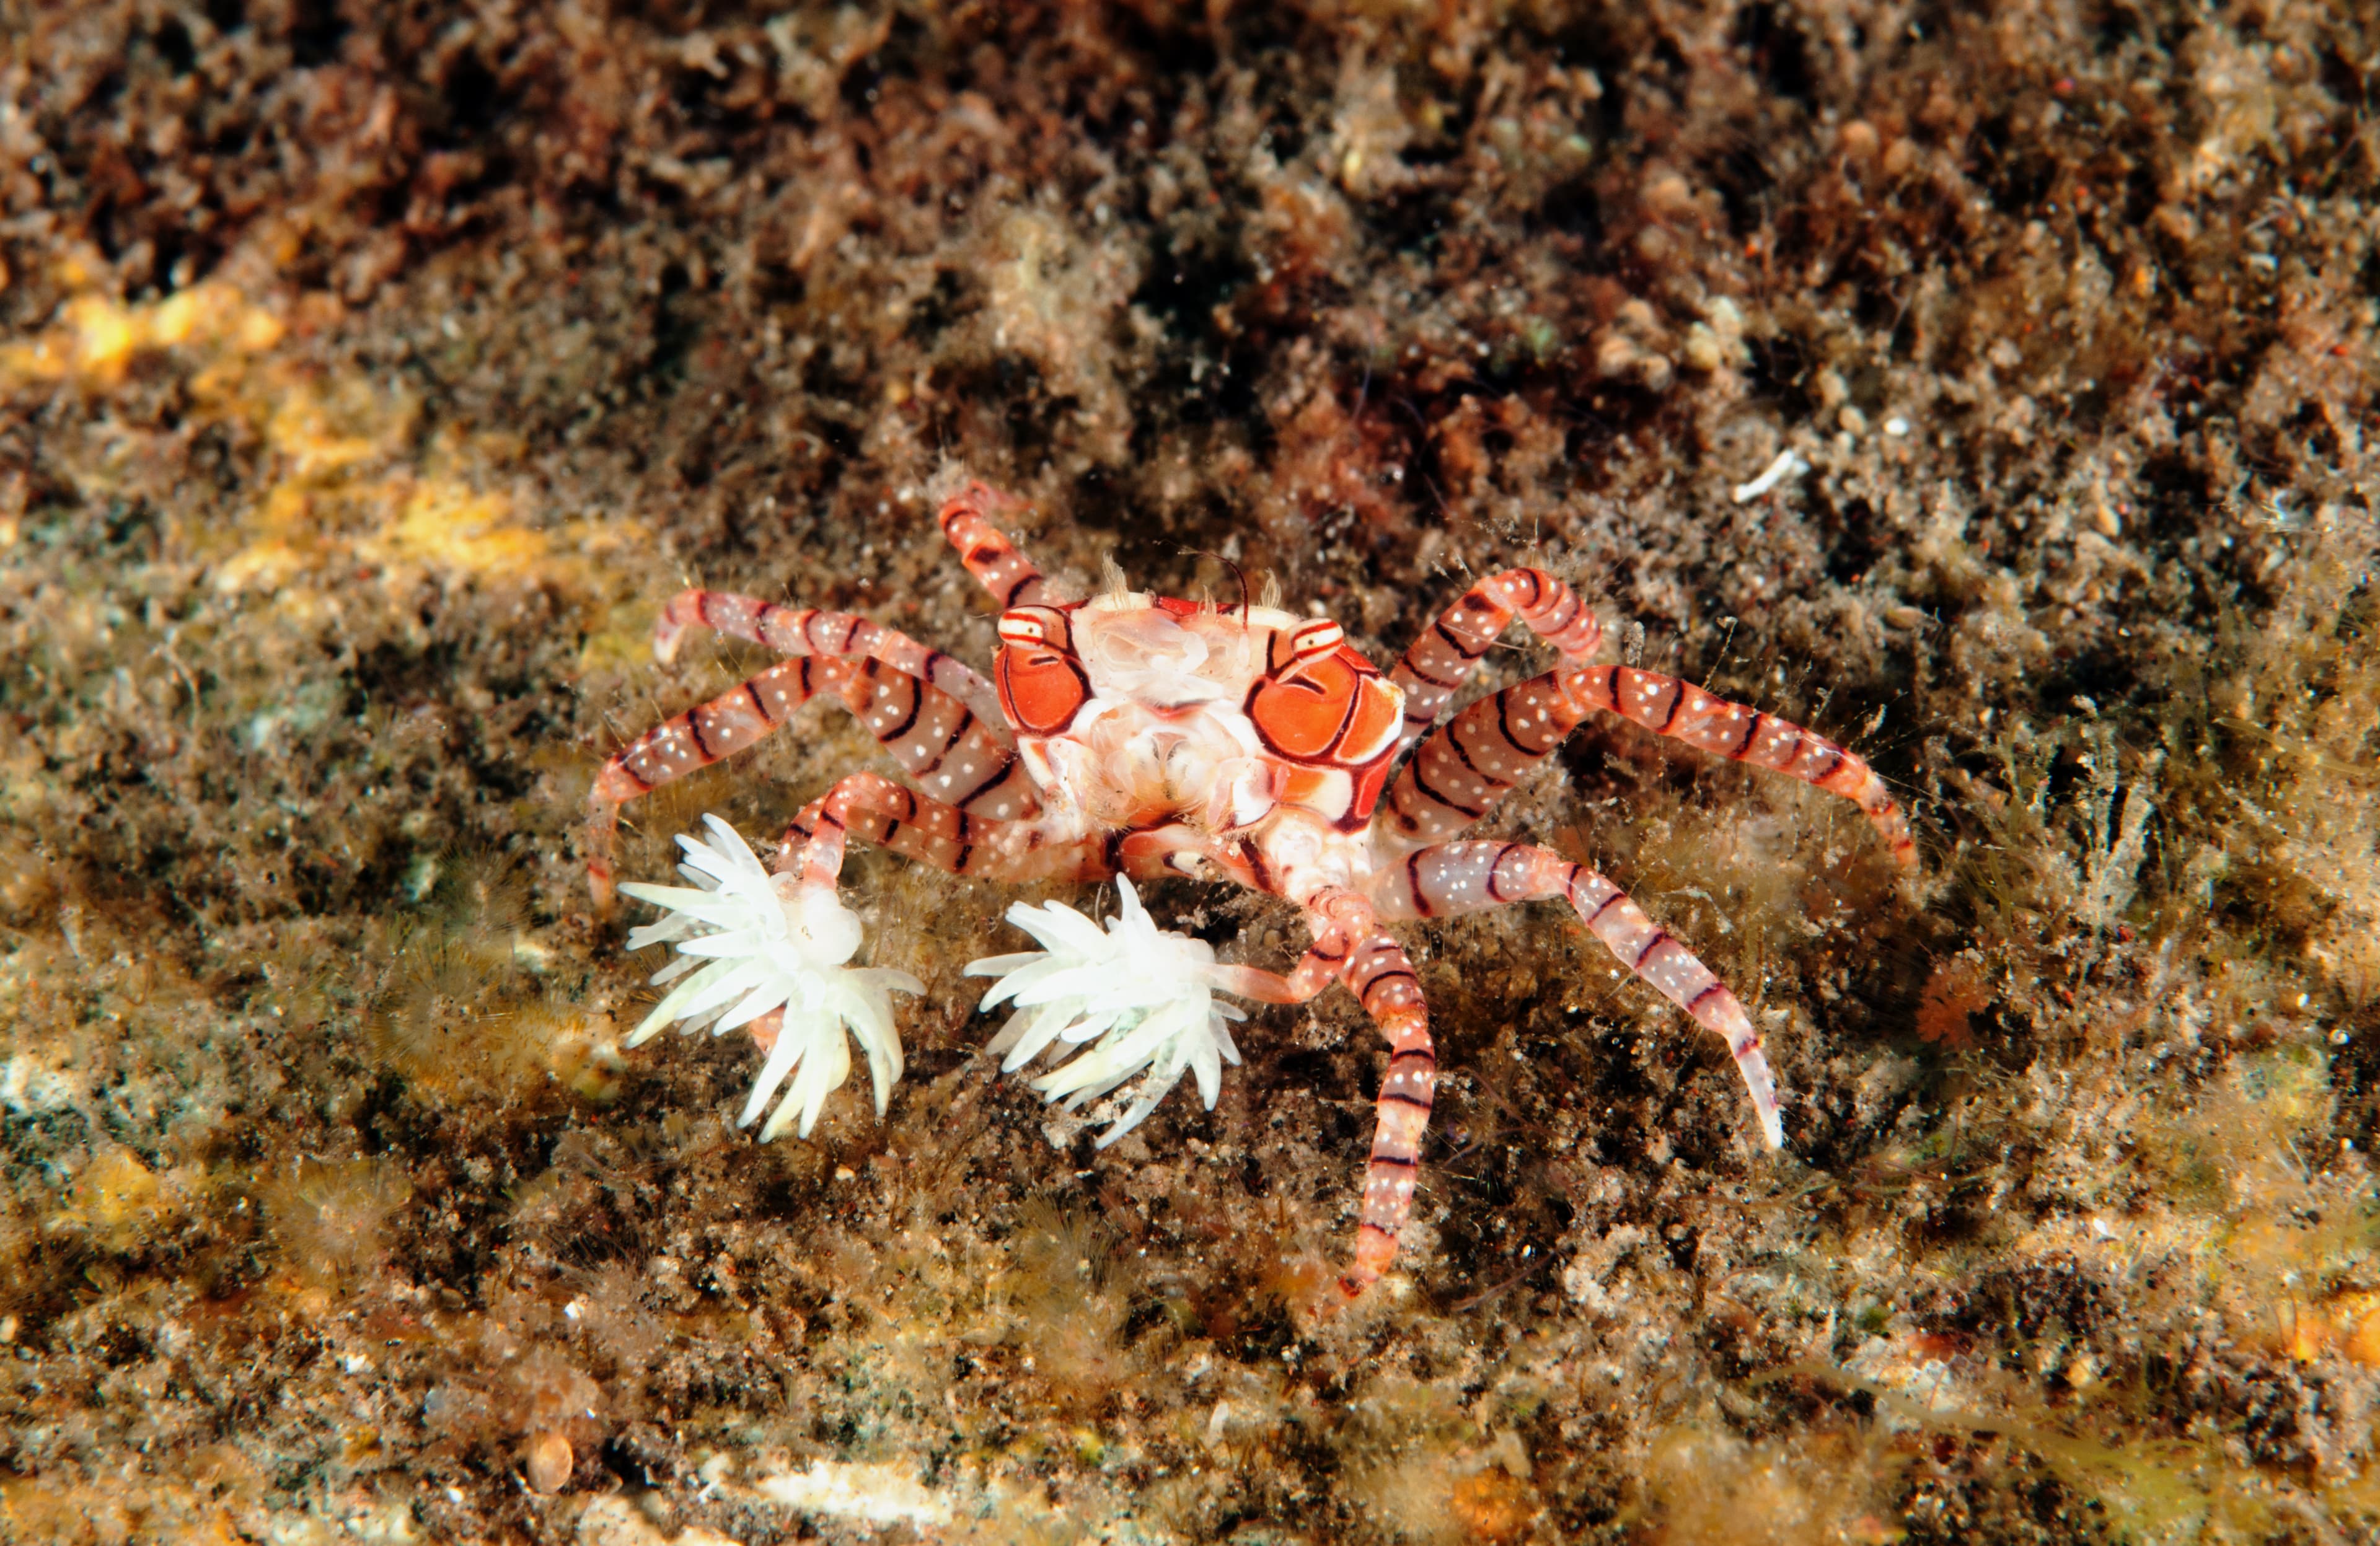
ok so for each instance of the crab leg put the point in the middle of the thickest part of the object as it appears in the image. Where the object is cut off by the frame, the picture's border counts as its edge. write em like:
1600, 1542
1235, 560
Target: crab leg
1437, 664
1378, 972
1682, 712
1462, 769
1317, 970
876, 810
988, 556
1465, 878
935, 737
806, 630
1322, 965
1350, 946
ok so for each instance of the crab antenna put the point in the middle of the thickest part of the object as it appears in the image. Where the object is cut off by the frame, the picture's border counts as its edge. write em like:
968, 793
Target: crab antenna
1236, 569
1243, 576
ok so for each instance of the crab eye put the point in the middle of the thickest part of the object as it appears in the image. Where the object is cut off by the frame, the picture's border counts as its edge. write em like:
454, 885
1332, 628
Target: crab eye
1315, 639
1021, 628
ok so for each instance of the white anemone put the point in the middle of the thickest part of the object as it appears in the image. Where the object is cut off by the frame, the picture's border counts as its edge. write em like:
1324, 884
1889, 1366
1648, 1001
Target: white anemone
1143, 997
764, 942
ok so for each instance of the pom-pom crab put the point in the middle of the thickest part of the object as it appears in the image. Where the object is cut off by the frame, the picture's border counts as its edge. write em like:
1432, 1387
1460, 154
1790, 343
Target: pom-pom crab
1131, 735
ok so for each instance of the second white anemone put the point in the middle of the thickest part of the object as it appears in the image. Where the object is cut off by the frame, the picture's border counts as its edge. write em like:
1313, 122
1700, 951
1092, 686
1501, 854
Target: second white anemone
1143, 997
755, 942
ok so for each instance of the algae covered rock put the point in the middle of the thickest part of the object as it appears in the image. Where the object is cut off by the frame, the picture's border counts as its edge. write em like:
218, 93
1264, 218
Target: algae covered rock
1989, 392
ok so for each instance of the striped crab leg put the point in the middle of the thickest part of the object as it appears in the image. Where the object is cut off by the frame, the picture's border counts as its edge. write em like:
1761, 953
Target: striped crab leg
793, 631
1350, 948
937, 739
1460, 772
1462, 768
875, 810
1453, 878
990, 557
1382, 978
1682, 711
1437, 664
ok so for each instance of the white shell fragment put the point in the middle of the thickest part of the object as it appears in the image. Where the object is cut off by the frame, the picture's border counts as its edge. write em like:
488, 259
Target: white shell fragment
750, 942
1787, 465
1142, 998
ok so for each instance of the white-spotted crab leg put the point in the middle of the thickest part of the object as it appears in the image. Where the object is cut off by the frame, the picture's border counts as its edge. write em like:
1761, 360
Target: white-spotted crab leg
938, 735
1453, 878
1350, 948
796, 630
990, 556
1378, 972
876, 810
1437, 664
1462, 769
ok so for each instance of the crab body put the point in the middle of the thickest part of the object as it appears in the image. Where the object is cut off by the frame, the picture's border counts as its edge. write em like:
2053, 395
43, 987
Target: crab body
1133, 736
1236, 740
